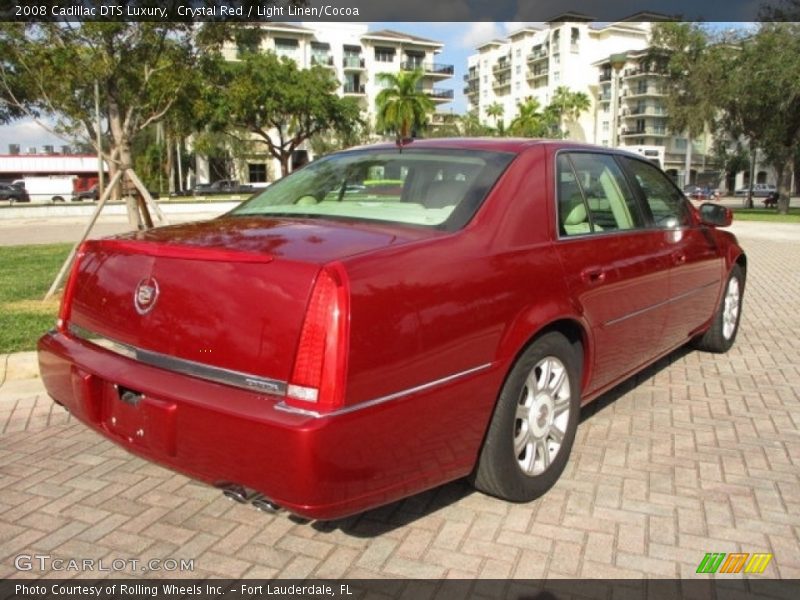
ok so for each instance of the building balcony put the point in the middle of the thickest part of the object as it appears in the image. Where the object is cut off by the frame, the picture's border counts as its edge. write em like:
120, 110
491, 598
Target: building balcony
503, 64
353, 63
604, 77
439, 94
680, 158
634, 73
350, 89
472, 88
633, 113
430, 69
644, 131
537, 55
501, 84
642, 92
322, 60
534, 75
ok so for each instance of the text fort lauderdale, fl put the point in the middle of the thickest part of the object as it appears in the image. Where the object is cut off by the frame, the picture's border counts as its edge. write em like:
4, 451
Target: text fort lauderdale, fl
267, 11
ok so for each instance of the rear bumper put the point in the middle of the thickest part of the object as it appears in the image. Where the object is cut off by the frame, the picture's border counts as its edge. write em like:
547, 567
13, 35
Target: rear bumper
321, 468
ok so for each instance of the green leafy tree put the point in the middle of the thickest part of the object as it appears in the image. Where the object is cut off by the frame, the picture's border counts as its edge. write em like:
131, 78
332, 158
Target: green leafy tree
270, 100
568, 106
682, 49
765, 65
470, 125
496, 111
531, 121
141, 70
402, 106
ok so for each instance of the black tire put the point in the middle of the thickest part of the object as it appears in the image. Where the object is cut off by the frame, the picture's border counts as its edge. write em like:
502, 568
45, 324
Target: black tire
57, 199
725, 325
503, 472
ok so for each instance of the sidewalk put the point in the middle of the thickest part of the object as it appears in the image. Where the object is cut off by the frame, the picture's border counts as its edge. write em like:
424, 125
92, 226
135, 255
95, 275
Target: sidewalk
699, 453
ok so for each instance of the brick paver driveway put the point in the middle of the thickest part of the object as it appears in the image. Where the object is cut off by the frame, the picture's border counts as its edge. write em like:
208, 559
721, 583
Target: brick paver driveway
700, 453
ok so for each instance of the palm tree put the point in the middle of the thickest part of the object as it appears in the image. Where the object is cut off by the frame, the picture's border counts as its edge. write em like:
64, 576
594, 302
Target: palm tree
496, 110
568, 105
530, 121
402, 106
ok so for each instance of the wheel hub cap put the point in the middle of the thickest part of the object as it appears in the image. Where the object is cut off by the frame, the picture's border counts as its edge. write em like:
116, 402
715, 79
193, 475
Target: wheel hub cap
542, 416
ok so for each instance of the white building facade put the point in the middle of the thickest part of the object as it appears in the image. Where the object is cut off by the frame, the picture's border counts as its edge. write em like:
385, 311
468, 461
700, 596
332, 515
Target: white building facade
356, 57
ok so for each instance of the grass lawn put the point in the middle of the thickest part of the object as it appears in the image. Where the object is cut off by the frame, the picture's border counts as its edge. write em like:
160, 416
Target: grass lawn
766, 214
25, 276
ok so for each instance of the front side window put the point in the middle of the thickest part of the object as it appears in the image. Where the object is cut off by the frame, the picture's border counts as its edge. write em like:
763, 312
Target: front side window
428, 187
593, 195
665, 202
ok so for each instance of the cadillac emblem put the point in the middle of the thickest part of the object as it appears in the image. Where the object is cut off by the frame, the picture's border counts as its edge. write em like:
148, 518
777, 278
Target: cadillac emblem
145, 296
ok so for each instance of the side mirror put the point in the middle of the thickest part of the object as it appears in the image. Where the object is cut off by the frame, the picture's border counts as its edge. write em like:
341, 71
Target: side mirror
715, 215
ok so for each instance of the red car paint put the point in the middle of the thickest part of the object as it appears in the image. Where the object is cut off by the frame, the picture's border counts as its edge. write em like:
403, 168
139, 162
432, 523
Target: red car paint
427, 326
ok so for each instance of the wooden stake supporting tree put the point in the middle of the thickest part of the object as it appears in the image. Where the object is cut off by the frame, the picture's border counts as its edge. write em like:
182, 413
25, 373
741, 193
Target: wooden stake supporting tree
140, 210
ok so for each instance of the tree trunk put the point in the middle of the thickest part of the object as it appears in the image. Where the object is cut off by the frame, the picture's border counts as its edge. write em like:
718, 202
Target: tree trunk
285, 164
784, 173
170, 166
687, 167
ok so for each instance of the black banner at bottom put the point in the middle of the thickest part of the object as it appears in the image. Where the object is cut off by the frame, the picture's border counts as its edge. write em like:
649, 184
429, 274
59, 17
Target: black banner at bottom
416, 589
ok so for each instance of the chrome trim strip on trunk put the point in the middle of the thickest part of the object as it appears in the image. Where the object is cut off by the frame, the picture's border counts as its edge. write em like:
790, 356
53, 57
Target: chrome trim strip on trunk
237, 379
383, 399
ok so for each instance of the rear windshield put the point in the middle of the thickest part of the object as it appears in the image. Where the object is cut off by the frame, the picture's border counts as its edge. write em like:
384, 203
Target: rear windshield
429, 187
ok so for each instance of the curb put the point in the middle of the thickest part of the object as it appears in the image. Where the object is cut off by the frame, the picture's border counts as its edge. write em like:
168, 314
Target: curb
20, 365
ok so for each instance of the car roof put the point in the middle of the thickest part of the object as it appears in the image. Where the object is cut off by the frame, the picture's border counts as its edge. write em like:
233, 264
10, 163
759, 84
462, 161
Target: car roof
513, 145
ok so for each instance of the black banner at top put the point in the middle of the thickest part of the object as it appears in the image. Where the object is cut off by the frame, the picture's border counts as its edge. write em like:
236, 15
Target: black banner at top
400, 10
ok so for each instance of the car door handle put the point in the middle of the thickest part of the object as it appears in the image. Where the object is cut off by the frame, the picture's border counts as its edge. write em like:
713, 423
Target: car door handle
678, 258
593, 275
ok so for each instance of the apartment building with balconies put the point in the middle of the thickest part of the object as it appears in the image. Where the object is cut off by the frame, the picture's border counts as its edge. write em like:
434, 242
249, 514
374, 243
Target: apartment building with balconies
356, 57
533, 62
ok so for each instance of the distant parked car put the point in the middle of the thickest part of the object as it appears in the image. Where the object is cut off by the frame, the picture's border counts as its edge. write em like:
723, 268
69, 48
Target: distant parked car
760, 190
695, 192
90, 194
222, 186
13, 193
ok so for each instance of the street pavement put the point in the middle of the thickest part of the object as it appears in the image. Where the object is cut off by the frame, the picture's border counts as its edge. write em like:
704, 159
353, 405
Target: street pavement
700, 453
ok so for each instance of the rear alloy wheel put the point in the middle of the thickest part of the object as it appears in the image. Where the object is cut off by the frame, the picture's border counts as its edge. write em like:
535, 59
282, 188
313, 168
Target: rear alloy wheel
725, 325
533, 426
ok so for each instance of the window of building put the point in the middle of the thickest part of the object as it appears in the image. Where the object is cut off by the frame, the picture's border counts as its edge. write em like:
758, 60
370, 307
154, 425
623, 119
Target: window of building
519, 52
556, 76
286, 47
605, 127
384, 54
518, 69
257, 172
680, 144
556, 59
575, 36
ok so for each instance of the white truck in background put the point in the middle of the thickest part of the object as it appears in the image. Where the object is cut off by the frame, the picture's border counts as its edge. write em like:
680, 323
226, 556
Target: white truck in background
52, 188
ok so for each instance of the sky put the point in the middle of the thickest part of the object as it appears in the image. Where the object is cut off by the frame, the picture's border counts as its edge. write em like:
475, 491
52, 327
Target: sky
459, 38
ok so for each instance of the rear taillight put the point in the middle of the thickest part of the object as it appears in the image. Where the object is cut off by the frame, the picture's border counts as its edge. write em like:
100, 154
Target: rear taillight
318, 377
69, 290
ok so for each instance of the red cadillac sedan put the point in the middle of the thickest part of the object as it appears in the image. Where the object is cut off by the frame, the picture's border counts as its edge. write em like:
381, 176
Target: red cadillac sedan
391, 318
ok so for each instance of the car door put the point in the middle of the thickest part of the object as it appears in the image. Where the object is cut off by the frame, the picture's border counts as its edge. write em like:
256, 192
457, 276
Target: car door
696, 269
616, 267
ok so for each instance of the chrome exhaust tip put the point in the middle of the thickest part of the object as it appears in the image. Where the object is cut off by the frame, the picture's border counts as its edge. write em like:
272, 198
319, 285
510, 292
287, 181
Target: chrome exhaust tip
265, 504
237, 493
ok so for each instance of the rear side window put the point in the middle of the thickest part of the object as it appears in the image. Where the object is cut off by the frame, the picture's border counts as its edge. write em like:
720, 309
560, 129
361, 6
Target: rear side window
667, 205
593, 195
